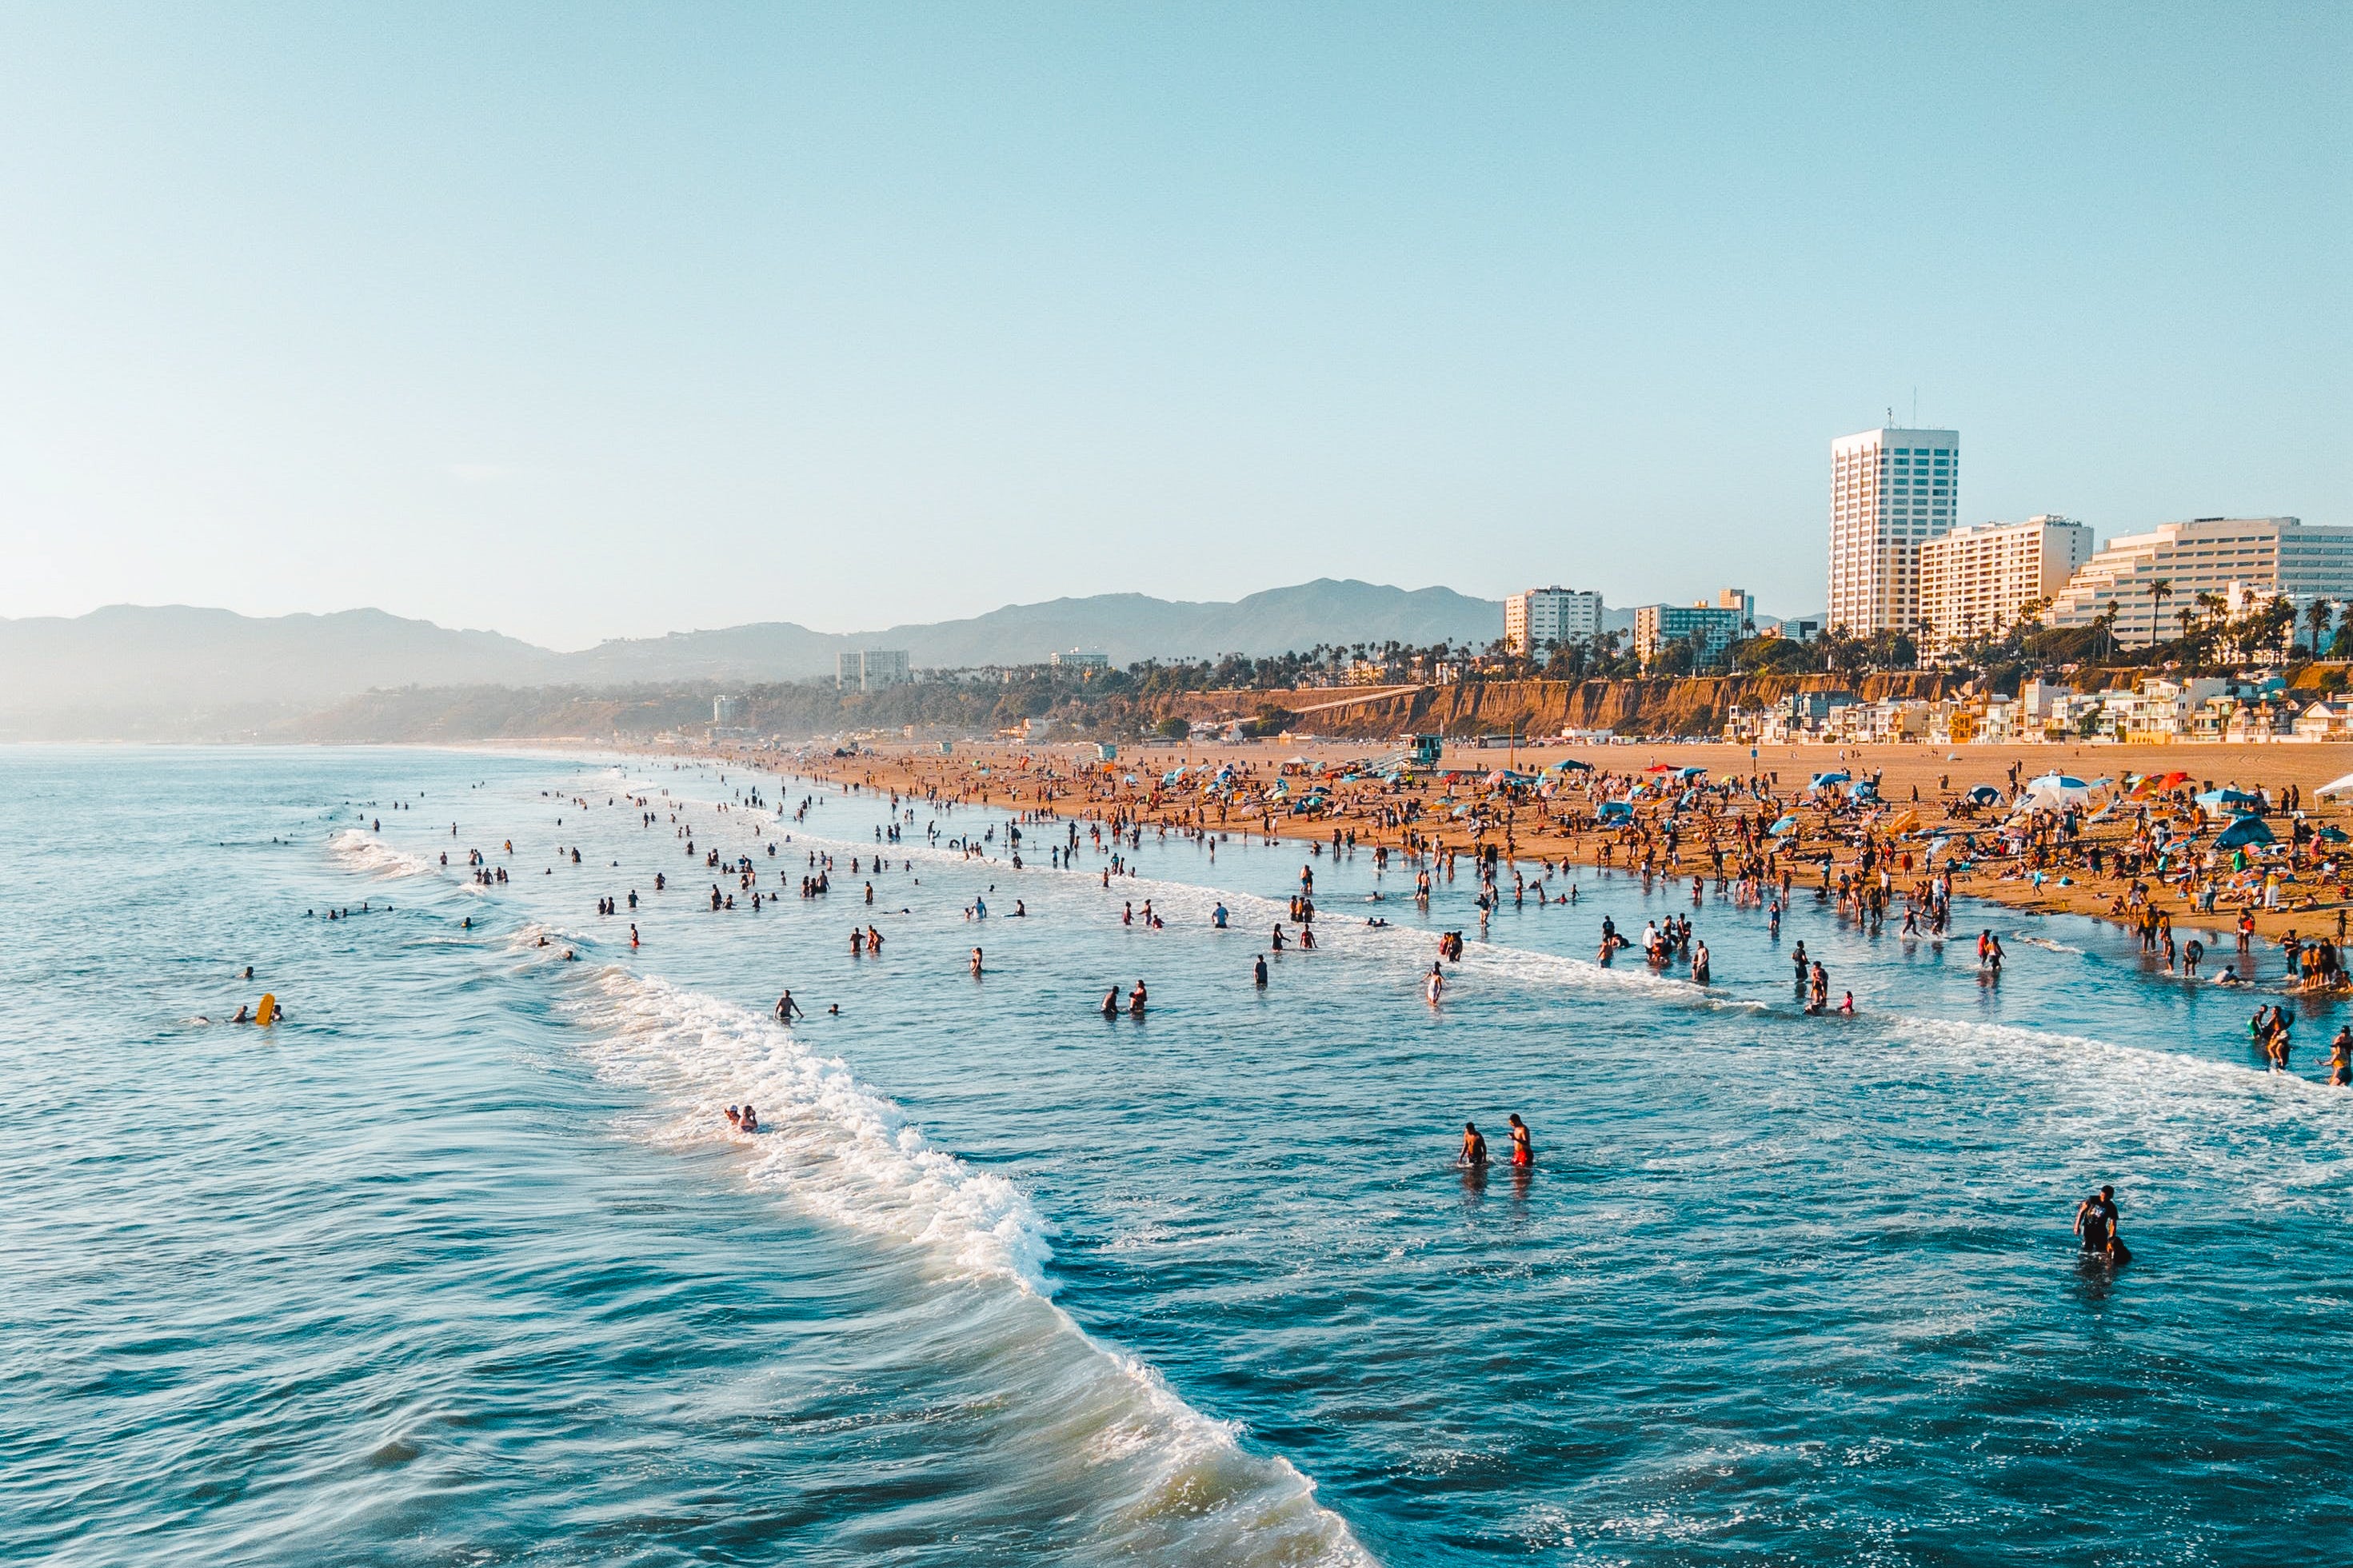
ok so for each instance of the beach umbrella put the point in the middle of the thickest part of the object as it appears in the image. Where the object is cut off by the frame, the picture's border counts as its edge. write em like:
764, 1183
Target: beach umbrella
1821, 779
2332, 834
1657, 768
1497, 776
1693, 774
1614, 810
1571, 766
2245, 830
2056, 781
2339, 787
1984, 794
2214, 797
1783, 826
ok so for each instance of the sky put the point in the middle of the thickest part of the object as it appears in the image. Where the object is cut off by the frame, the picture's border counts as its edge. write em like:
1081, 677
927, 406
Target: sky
594, 321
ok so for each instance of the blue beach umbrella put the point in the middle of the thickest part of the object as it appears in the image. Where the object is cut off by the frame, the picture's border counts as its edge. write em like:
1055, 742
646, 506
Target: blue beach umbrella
2245, 830
1984, 794
1615, 811
2227, 797
1821, 779
1783, 826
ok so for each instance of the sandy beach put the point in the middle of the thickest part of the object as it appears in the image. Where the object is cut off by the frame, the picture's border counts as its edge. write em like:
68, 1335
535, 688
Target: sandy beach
1929, 782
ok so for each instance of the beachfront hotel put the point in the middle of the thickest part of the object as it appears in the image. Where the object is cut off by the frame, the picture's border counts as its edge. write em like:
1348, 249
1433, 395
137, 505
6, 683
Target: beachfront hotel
1975, 580
1892, 490
1541, 617
2232, 557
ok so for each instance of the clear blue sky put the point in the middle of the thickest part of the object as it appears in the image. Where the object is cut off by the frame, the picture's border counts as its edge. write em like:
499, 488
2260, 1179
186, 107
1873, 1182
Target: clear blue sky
579, 321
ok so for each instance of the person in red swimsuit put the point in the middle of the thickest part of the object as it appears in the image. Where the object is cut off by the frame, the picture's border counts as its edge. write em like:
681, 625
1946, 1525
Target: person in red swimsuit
1521, 1153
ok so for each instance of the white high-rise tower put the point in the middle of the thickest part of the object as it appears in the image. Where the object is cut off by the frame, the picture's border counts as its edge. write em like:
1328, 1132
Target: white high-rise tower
1891, 491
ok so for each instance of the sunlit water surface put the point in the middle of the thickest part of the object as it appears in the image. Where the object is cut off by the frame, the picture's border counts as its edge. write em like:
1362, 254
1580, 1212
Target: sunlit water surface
462, 1263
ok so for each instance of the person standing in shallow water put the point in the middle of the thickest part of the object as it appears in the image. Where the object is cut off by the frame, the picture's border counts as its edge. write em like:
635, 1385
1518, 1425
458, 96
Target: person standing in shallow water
1475, 1146
1523, 1148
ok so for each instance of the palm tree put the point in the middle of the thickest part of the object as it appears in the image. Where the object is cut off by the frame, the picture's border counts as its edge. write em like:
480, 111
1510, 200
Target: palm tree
2159, 590
2318, 615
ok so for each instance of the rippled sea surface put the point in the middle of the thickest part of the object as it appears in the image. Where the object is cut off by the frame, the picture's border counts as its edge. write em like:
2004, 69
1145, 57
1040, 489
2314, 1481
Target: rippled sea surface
462, 1263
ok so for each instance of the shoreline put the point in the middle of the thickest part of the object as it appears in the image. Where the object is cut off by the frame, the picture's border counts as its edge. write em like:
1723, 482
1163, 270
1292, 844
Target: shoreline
1065, 780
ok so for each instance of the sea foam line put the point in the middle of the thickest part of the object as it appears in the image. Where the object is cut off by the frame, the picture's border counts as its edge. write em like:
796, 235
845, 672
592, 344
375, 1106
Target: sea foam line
849, 1155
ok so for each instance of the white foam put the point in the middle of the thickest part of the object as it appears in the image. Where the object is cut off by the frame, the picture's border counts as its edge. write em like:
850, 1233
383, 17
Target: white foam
843, 1149
365, 852
847, 1153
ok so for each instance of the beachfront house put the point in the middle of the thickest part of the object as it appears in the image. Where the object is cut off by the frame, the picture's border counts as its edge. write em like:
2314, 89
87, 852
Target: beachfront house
2325, 721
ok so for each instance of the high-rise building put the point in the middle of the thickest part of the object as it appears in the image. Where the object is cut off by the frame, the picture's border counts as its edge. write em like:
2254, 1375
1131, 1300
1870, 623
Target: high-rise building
1541, 617
1975, 580
1081, 661
2269, 556
1891, 491
728, 710
870, 669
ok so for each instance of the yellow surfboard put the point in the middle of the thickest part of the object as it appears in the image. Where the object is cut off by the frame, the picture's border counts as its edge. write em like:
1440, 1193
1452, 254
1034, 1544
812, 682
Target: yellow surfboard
267, 1012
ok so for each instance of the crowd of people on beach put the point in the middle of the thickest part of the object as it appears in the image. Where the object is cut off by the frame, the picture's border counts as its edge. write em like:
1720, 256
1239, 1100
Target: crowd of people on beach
1744, 834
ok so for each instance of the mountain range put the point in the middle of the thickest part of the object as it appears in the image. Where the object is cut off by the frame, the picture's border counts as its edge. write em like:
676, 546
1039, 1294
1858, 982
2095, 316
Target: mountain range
174, 672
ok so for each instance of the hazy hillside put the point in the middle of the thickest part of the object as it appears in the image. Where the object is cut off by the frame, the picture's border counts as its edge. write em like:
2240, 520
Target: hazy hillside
1127, 627
172, 672
165, 672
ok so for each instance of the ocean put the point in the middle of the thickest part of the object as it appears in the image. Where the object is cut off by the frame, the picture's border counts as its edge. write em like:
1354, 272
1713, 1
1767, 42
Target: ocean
462, 1263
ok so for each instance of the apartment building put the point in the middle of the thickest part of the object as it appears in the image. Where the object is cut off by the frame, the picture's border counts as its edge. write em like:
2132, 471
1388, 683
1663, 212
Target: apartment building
1716, 626
871, 670
1974, 581
1892, 490
1541, 618
2152, 577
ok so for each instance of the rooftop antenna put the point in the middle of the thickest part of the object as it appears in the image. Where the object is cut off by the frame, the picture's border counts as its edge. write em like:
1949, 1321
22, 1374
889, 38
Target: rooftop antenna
1891, 414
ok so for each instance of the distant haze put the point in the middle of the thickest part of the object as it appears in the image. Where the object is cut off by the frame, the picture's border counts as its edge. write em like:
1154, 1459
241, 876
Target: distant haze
168, 672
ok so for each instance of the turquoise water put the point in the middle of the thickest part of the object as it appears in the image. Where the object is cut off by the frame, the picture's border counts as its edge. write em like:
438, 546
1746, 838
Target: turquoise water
463, 1264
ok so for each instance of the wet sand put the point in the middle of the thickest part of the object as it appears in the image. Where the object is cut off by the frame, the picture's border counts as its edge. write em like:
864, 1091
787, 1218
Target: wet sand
1066, 778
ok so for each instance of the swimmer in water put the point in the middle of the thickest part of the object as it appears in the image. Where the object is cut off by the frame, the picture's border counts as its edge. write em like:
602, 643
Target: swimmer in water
1475, 1146
976, 963
734, 1117
1135, 1001
1523, 1151
1435, 985
787, 1009
1257, 972
751, 1117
